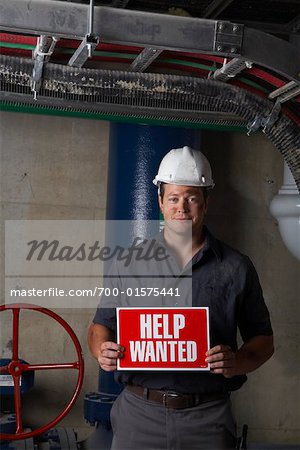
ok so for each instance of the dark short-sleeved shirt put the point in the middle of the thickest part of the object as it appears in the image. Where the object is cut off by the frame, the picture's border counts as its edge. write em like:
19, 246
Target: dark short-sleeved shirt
218, 277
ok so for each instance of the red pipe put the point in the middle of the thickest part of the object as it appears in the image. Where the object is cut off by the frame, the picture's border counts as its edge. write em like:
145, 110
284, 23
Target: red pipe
71, 43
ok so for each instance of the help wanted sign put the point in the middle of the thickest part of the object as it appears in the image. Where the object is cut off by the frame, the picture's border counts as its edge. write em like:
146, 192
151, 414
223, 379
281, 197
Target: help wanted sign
163, 338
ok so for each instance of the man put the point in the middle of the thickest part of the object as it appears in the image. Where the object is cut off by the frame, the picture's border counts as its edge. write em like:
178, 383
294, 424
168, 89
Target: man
191, 410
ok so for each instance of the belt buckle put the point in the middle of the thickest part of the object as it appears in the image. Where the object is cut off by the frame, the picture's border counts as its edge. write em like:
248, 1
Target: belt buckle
166, 395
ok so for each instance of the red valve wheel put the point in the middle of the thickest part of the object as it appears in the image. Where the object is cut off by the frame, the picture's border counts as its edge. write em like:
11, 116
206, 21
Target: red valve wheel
15, 368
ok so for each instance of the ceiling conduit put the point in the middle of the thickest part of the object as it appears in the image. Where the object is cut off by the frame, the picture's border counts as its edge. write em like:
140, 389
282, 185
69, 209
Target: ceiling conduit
262, 93
161, 96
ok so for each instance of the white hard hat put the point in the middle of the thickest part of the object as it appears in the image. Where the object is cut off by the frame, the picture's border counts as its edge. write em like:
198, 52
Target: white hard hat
186, 167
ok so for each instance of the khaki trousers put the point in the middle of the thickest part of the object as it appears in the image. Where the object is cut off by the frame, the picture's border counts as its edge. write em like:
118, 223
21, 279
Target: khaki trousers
139, 424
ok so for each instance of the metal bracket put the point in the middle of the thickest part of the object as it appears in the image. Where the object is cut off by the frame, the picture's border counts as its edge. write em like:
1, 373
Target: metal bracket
144, 59
228, 37
88, 44
41, 54
265, 122
255, 125
269, 121
231, 69
84, 51
286, 92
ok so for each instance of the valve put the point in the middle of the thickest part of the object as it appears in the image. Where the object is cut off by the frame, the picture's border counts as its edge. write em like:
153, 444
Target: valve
16, 367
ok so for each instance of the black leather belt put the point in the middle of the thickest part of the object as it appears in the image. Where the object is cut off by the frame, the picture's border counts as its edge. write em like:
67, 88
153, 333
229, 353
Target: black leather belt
175, 400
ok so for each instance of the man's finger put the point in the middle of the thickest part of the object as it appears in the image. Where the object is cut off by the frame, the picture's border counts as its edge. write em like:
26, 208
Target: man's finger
218, 349
109, 345
108, 368
223, 356
113, 354
225, 364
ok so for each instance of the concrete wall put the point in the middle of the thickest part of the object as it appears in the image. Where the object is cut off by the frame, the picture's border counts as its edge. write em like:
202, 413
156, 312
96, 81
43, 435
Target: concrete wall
248, 173
52, 168
56, 168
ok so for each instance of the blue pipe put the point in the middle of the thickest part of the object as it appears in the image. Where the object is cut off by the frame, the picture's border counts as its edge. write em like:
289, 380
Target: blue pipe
135, 152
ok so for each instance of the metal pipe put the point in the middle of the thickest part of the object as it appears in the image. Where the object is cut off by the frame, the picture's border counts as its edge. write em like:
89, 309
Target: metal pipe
285, 207
91, 17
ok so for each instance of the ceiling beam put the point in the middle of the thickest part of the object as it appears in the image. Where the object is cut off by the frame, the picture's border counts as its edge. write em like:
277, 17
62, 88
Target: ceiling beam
162, 31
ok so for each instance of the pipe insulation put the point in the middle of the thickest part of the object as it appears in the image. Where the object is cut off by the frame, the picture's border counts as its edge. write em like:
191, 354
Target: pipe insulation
150, 94
139, 90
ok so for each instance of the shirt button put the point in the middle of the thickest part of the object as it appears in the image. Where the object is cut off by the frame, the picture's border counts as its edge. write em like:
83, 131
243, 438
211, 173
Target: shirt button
176, 304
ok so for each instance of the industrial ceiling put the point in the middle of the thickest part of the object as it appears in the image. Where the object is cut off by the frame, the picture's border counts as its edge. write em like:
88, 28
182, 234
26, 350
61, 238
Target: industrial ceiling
221, 63
279, 17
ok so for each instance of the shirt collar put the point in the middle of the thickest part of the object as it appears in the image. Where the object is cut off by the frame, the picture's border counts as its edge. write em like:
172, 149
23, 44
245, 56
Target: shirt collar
211, 244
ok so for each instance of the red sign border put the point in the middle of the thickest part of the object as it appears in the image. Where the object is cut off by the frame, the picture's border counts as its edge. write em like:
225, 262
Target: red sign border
164, 369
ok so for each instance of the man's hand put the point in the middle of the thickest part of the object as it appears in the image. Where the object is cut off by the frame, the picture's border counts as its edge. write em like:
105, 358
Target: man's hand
252, 354
108, 355
222, 360
103, 348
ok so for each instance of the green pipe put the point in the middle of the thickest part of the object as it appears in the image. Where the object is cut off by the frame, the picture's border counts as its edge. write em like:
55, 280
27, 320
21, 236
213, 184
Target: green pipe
54, 111
19, 46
